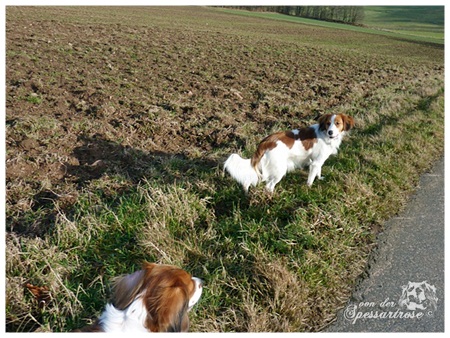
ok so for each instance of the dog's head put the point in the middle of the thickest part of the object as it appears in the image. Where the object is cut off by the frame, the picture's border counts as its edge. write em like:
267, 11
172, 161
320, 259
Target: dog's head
335, 124
418, 296
167, 292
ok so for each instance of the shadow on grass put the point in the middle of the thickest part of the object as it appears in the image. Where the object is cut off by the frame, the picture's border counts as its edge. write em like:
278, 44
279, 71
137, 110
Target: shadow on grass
100, 158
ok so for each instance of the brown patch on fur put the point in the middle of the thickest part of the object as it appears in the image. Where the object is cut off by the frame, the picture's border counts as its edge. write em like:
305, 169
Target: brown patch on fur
270, 142
288, 138
308, 137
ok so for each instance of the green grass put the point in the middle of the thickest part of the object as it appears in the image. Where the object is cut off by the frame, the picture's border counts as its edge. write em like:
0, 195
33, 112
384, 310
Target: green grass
385, 16
406, 22
34, 98
421, 21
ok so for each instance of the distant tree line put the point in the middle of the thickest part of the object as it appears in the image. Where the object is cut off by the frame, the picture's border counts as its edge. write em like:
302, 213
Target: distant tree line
346, 14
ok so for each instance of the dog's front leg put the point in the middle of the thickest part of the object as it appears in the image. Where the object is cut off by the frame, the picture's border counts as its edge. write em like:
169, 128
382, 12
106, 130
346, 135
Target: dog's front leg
319, 173
313, 171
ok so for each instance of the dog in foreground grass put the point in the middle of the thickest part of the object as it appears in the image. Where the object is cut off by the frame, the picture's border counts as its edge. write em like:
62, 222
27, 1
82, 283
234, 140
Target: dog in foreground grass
154, 299
285, 151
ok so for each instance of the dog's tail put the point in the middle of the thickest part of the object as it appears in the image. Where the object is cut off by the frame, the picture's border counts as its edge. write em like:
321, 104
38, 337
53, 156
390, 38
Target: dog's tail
242, 171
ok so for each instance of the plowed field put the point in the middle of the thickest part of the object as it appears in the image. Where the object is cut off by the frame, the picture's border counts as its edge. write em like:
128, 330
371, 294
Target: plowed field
111, 98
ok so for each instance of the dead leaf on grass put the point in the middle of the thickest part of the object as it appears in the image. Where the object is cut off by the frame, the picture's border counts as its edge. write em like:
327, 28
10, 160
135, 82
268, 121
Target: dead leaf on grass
40, 293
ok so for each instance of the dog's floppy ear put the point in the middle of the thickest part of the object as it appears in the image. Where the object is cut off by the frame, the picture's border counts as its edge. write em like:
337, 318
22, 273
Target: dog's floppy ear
167, 309
349, 122
322, 120
430, 294
403, 301
126, 288
179, 321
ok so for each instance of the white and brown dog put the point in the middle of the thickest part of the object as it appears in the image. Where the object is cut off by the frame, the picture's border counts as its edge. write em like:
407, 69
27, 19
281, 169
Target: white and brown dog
154, 299
285, 151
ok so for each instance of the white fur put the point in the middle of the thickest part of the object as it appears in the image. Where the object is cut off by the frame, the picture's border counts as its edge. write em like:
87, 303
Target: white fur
132, 319
276, 162
241, 170
197, 293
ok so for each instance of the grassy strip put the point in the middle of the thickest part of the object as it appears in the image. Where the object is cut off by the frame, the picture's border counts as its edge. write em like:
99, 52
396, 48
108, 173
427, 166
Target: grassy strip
411, 32
418, 20
271, 263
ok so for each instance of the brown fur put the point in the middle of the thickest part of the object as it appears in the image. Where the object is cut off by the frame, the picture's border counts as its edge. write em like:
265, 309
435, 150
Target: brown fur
308, 137
167, 297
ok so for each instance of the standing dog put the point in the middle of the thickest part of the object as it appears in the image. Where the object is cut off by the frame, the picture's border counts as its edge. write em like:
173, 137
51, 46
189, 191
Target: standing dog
154, 299
282, 152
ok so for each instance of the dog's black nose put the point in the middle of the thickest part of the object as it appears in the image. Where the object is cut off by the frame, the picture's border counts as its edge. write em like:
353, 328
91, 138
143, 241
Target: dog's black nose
330, 132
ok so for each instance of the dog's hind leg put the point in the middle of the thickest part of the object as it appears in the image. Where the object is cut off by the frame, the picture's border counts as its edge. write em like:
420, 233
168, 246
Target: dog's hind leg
277, 173
270, 186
